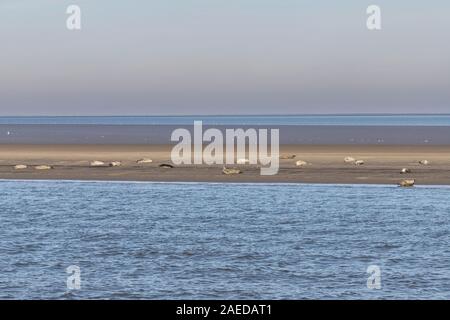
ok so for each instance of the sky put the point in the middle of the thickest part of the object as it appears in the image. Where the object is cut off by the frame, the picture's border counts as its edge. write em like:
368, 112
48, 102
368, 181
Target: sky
174, 57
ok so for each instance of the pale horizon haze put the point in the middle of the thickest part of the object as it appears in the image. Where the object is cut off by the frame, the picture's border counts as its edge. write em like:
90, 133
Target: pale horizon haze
180, 57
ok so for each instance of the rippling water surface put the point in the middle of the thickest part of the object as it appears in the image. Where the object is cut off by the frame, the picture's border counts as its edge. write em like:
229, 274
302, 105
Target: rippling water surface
222, 241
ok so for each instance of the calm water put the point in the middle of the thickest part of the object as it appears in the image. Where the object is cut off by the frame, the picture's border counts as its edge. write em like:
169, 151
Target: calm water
344, 120
150, 240
294, 129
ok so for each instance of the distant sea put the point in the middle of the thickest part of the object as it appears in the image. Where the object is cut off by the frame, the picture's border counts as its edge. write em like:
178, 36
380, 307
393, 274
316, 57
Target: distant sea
250, 120
222, 241
294, 129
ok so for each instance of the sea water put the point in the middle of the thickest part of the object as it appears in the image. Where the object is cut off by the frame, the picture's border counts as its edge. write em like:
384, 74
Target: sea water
222, 241
251, 120
294, 129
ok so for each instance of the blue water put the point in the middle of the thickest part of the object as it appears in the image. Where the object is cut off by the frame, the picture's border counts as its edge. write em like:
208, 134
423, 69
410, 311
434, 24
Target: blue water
227, 241
344, 120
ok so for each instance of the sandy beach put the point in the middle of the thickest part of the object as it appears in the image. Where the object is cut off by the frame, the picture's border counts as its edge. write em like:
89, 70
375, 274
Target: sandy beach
382, 164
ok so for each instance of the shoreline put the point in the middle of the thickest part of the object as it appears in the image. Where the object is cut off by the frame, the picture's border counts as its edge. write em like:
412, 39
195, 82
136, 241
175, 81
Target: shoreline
383, 164
268, 184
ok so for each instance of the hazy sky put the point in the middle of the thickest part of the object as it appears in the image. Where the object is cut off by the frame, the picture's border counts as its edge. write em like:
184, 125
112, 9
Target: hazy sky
223, 57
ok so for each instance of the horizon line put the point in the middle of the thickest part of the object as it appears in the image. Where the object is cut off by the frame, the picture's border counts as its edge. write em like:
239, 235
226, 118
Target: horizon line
228, 115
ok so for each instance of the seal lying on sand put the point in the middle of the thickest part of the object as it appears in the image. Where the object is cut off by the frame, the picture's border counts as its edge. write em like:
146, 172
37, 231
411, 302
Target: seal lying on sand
20, 167
242, 161
43, 167
407, 183
349, 160
115, 164
301, 163
405, 170
424, 162
97, 163
143, 161
165, 166
287, 156
229, 171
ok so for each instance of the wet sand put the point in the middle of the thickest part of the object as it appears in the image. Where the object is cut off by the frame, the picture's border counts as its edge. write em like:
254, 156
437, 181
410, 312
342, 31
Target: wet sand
326, 164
